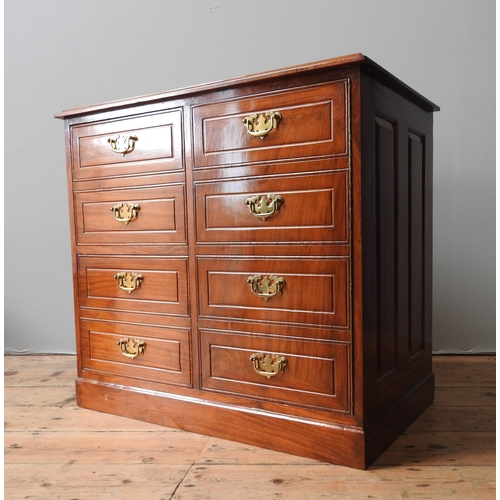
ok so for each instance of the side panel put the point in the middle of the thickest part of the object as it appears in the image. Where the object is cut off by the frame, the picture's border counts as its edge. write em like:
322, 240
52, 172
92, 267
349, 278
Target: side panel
397, 246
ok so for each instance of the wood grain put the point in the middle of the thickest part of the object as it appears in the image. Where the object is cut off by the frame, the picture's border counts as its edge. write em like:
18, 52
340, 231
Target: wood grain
60, 451
344, 144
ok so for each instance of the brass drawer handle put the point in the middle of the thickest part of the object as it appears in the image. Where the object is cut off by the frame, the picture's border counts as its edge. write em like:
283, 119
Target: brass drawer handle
259, 125
123, 144
268, 365
263, 206
125, 212
266, 287
131, 347
129, 281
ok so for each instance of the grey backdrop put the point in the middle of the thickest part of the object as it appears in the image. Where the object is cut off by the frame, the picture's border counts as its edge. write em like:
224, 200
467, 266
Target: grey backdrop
61, 54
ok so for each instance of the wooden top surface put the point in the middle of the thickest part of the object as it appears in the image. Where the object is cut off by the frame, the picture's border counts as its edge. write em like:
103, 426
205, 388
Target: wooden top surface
349, 60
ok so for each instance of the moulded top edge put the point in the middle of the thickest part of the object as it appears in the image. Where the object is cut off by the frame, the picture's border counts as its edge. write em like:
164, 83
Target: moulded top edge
351, 59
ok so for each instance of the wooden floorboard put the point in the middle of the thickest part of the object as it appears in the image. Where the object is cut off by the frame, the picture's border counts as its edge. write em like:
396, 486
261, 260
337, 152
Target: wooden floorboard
55, 450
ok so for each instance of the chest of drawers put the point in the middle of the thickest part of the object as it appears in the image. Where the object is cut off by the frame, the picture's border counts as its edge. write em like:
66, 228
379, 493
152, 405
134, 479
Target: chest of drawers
252, 258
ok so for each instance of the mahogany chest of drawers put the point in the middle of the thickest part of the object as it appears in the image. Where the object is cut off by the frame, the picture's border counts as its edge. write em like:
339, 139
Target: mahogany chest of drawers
252, 258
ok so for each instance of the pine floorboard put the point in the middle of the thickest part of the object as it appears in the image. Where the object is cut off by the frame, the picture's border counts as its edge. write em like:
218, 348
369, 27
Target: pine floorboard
55, 450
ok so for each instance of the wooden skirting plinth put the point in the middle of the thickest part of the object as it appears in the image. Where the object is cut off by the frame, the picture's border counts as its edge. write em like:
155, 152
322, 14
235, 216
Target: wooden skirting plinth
56, 450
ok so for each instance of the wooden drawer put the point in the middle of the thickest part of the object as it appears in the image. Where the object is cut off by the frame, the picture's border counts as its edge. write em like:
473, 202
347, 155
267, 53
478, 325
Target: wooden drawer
316, 374
165, 356
159, 217
280, 209
314, 291
313, 123
157, 147
163, 288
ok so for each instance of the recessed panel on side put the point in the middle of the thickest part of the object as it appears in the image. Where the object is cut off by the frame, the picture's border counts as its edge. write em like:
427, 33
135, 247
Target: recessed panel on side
386, 214
416, 169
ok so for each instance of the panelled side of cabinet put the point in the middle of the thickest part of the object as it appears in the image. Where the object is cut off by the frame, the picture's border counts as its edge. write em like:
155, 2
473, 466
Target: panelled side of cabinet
396, 174
252, 258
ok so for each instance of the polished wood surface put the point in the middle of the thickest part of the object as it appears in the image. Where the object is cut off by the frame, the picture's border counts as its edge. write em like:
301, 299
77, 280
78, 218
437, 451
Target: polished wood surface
315, 375
315, 291
314, 208
160, 218
56, 450
166, 356
158, 146
314, 123
397, 245
163, 289
319, 66
307, 242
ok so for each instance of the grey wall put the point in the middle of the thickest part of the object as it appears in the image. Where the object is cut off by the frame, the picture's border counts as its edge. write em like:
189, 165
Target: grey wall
61, 54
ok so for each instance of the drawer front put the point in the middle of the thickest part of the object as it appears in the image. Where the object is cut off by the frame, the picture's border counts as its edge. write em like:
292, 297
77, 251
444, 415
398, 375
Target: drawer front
139, 216
285, 209
159, 354
108, 149
303, 373
284, 289
154, 285
313, 123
